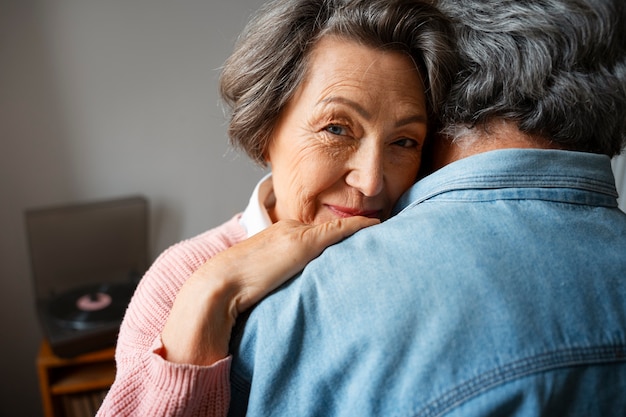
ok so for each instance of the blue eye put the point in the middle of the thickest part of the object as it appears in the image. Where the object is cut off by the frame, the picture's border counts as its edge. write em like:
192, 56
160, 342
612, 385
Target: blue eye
335, 130
406, 143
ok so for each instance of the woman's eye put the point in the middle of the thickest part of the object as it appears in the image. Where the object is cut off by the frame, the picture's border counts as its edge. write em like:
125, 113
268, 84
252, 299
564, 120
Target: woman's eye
406, 143
336, 130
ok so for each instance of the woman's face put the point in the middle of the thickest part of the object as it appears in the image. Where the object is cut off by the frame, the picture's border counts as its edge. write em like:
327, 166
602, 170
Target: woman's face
349, 141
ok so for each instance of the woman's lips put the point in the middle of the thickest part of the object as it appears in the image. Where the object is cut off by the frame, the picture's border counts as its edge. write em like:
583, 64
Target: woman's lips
350, 212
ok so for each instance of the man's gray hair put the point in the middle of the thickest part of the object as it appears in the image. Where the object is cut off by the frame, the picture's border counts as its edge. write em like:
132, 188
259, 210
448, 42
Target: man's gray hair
556, 67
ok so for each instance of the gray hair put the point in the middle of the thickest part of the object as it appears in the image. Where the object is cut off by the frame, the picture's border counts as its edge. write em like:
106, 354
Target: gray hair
556, 67
271, 56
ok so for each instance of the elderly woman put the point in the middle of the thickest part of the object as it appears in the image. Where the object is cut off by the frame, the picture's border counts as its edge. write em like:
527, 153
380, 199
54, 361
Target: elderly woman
337, 97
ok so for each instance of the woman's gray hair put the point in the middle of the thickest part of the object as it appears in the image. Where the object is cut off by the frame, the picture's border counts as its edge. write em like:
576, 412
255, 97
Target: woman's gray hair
556, 67
270, 59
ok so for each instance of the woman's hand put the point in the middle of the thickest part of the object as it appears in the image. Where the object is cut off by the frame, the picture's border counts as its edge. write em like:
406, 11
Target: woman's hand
200, 322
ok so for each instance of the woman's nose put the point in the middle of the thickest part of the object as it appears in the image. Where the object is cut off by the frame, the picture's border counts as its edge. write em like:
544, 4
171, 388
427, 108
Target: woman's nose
366, 170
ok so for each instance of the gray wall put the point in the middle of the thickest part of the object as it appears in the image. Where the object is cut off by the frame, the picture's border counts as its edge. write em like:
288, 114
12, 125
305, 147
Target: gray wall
101, 99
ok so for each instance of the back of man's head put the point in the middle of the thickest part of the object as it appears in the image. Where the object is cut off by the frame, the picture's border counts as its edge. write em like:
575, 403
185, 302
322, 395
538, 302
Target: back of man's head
555, 67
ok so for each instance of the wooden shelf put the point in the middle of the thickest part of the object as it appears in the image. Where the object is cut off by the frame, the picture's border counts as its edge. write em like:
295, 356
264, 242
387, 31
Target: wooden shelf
62, 379
48, 358
82, 377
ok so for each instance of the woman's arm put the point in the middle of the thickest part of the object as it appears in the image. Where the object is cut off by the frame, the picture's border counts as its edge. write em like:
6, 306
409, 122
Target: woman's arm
199, 326
172, 356
145, 383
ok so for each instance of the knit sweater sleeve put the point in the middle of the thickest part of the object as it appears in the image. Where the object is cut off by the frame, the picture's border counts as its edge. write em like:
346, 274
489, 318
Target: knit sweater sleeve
145, 383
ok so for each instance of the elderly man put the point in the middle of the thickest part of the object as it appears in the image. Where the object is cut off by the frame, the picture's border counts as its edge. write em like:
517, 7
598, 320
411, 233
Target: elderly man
499, 288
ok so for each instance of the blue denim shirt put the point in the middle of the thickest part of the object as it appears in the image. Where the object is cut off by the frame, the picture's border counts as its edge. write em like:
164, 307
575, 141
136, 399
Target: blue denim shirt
499, 289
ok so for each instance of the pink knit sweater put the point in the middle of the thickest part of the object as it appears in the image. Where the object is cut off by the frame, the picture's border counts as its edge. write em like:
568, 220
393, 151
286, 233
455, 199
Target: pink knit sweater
146, 384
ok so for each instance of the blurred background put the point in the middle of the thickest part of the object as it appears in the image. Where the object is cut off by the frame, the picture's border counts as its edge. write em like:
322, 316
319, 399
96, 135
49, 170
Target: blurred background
103, 99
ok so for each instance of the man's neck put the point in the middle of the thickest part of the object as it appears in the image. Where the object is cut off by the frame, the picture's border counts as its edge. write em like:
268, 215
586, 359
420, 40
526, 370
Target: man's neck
500, 135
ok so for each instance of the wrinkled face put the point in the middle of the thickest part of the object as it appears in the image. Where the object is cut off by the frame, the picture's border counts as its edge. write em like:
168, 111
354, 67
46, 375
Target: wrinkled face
349, 141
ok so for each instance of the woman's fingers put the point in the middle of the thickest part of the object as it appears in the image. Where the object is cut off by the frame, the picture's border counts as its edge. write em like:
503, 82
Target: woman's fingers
269, 258
302, 242
198, 328
331, 232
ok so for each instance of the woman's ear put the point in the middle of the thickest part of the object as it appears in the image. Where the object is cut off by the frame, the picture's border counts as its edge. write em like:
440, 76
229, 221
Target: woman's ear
266, 157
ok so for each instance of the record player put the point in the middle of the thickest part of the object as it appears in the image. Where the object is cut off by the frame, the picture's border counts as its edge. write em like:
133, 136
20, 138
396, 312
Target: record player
86, 260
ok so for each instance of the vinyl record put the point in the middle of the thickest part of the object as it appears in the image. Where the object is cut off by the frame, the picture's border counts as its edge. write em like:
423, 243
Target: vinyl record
91, 306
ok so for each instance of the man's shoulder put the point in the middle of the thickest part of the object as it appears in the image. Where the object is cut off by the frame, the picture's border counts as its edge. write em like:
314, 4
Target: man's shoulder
444, 302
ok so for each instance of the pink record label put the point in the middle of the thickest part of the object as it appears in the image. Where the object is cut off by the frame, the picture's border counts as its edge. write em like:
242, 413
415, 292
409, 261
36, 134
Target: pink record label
93, 302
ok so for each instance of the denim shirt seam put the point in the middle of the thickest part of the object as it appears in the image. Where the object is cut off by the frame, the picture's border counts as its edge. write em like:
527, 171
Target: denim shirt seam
550, 361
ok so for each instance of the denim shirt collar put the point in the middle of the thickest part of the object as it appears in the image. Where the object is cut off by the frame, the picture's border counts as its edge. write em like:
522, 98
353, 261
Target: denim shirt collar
530, 169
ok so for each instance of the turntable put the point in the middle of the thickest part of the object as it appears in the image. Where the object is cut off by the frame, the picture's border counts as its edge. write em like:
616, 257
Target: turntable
86, 261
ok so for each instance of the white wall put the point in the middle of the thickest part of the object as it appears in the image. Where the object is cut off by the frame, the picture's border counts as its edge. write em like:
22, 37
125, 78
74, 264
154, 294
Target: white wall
102, 99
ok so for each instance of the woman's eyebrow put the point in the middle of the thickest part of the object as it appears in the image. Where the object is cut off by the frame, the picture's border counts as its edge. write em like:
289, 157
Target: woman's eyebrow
356, 106
417, 118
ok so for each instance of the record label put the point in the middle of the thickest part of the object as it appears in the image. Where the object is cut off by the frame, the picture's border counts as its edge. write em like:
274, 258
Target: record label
91, 306
94, 302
